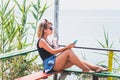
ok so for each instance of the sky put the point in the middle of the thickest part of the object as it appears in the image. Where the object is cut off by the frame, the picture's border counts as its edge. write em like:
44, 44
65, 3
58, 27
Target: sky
83, 4
91, 4
88, 4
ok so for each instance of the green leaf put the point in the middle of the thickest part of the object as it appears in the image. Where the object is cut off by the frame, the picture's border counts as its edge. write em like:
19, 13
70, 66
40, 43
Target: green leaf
101, 53
6, 6
117, 61
111, 44
24, 5
38, 1
18, 5
35, 7
13, 35
9, 12
43, 10
34, 15
33, 26
101, 44
33, 59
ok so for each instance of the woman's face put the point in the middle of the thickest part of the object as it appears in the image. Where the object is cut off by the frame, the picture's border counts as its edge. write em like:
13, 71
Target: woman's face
49, 29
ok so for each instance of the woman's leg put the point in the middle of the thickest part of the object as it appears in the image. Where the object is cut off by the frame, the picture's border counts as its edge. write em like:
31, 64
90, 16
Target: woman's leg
67, 65
69, 57
94, 67
91, 66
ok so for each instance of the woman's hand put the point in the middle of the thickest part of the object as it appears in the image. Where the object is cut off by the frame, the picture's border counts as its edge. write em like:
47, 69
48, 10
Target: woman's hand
67, 47
70, 46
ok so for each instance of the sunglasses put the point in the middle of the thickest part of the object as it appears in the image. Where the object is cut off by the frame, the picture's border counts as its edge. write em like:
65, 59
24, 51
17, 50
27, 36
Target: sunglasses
50, 28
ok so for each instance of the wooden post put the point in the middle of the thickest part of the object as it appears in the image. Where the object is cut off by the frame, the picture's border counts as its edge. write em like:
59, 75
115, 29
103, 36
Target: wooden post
110, 61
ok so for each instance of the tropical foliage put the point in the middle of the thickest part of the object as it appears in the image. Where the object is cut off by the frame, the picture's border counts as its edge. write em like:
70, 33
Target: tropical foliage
14, 35
109, 45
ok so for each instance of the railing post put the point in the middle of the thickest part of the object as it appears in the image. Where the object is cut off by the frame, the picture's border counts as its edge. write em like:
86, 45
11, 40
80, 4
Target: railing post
110, 61
55, 77
94, 77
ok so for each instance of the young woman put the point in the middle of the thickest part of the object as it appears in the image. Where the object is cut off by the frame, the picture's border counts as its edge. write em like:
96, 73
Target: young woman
65, 58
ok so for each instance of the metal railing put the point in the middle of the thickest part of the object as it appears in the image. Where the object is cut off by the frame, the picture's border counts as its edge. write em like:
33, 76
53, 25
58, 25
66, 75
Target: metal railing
25, 51
110, 55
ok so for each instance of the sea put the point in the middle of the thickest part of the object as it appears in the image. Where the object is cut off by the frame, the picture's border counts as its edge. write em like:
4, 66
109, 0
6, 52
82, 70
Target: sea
89, 27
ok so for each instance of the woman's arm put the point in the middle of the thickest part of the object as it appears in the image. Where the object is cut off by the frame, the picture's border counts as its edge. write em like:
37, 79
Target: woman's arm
46, 46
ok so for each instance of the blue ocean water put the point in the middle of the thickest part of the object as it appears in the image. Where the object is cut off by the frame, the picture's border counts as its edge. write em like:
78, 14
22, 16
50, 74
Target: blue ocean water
87, 26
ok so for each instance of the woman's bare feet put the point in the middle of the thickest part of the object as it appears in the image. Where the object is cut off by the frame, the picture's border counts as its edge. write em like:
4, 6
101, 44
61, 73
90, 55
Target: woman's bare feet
100, 69
90, 71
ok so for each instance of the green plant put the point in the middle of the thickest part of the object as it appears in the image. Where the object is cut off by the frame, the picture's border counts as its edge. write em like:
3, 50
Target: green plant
8, 32
22, 25
107, 41
14, 37
107, 44
37, 12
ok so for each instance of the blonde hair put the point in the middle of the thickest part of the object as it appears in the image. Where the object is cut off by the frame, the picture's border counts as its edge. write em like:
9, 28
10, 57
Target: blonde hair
42, 26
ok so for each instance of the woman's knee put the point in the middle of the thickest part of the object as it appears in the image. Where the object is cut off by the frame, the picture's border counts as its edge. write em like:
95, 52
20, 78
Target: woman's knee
68, 51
